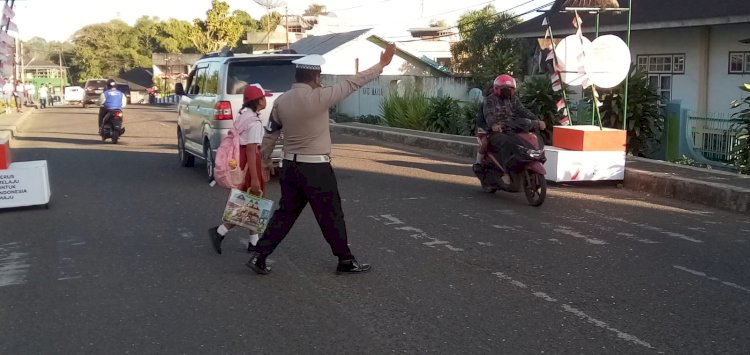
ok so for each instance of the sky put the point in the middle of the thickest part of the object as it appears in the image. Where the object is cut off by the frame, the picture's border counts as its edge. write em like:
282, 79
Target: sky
59, 19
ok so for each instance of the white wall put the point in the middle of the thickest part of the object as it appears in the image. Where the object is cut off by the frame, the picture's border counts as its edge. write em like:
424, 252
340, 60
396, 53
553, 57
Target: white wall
366, 101
341, 60
674, 41
723, 87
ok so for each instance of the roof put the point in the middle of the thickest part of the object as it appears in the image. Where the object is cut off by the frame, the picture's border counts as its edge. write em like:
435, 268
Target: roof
164, 59
652, 14
141, 77
133, 86
42, 63
326, 43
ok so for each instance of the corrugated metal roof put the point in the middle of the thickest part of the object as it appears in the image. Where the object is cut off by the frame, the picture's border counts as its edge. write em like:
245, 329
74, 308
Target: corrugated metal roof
646, 15
324, 44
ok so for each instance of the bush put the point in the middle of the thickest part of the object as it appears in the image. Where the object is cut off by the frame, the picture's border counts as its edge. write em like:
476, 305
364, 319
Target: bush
645, 117
741, 123
409, 110
537, 95
445, 116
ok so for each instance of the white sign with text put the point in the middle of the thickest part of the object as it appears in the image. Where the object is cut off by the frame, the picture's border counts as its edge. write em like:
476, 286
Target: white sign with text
24, 184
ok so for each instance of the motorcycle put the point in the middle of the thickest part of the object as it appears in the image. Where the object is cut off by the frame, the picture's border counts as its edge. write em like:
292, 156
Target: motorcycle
112, 126
527, 176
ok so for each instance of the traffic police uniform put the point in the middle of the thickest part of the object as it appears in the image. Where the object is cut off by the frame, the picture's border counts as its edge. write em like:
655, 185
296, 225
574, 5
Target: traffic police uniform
307, 175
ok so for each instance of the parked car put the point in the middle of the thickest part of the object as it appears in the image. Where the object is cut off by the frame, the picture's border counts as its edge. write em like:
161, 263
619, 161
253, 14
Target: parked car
125, 89
73, 95
93, 90
214, 97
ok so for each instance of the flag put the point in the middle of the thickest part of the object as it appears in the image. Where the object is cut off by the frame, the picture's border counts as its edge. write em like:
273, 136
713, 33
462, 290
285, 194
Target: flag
555, 77
577, 21
545, 22
556, 86
548, 33
560, 104
551, 55
565, 121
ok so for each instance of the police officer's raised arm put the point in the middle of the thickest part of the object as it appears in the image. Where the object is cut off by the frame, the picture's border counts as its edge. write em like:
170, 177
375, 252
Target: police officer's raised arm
329, 96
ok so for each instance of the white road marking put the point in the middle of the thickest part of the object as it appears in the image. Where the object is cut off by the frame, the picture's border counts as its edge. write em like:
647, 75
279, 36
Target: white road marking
703, 274
506, 228
580, 314
416, 233
555, 241
622, 335
393, 220
640, 240
13, 265
415, 198
645, 226
570, 232
485, 244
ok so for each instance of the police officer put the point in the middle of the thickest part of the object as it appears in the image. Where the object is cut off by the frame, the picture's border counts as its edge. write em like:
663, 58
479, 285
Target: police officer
306, 175
111, 99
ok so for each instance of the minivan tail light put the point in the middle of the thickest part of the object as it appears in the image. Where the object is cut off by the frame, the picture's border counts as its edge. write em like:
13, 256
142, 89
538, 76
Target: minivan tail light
223, 110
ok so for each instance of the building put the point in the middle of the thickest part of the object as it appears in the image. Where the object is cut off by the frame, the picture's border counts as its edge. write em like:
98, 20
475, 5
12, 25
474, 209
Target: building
291, 29
172, 68
45, 72
695, 52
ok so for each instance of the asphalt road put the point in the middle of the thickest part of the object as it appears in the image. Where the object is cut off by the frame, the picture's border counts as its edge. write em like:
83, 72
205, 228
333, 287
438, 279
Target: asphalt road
121, 263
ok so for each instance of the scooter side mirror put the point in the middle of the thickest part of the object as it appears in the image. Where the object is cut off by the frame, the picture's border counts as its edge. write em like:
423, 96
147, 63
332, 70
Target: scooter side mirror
178, 89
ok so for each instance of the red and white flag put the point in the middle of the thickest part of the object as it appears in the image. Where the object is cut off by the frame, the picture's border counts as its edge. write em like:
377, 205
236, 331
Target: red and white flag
560, 104
565, 121
577, 21
555, 77
556, 86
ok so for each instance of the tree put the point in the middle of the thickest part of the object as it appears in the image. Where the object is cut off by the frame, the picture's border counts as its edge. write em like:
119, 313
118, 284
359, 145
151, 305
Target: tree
315, 10
175, 36
106, 50
270, 21
218, 30
483, 50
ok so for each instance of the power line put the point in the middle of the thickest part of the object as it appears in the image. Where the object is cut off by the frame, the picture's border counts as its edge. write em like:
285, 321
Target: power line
480, 19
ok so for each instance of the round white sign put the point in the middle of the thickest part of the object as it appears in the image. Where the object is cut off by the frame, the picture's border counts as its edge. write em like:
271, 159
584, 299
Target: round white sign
608, 61
571, 53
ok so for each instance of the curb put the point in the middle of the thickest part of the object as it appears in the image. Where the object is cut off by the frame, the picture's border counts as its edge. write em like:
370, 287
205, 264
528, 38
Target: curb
721, 196
462, 149
18, 124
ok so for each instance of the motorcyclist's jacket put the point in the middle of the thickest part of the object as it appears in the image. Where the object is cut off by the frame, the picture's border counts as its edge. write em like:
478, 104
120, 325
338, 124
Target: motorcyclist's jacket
509, 113
113, 99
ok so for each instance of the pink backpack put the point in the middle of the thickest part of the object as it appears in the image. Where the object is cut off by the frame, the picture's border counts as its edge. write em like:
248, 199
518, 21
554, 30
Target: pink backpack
229, 150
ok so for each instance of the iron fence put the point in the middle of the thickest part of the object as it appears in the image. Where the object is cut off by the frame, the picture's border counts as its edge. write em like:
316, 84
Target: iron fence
713, 137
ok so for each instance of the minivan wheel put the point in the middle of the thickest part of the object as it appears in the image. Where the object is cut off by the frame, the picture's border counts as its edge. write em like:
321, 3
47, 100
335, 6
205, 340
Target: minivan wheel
186, 159
208, 154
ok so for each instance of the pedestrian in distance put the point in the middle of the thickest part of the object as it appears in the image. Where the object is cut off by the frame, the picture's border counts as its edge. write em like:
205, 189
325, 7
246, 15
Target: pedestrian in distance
251, 137
43, 93
306, 175
19, 95
8, 94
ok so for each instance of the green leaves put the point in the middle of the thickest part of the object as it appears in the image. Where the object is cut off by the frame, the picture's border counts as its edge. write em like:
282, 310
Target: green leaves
741, 124
407, 110
537, 95
483, 51
218, 30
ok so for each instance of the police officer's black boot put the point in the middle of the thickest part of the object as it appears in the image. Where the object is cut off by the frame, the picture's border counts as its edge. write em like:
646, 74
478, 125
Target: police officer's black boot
352, 267
257, 263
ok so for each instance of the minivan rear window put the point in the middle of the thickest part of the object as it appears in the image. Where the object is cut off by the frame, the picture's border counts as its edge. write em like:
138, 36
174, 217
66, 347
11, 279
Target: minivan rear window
273, 76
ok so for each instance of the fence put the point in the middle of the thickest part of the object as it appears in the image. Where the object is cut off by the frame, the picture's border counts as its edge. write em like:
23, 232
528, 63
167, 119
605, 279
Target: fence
713, 137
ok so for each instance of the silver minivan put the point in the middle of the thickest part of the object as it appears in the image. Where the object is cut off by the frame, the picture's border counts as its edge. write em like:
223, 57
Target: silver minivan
213, 99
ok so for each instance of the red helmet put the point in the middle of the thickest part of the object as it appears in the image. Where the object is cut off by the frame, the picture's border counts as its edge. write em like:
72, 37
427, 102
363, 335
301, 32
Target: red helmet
504, 81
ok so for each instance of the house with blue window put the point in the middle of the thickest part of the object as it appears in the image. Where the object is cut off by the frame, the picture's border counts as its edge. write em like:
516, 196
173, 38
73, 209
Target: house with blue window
696, 53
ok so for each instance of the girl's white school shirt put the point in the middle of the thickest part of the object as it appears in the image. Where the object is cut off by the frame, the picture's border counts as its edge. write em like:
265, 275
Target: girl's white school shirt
253, 134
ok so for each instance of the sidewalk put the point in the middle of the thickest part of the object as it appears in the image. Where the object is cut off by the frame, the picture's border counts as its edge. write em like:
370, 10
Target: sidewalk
712, 188
13, 122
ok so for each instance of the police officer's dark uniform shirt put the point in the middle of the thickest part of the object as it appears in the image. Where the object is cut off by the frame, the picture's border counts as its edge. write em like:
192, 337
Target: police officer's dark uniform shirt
303, 113
509, 113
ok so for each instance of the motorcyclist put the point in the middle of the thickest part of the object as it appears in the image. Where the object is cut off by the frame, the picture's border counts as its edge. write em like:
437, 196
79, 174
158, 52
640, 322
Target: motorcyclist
505, 116
111, 99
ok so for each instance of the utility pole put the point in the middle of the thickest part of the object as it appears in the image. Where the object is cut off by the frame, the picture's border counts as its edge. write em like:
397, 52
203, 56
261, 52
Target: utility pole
62, 80
286, 24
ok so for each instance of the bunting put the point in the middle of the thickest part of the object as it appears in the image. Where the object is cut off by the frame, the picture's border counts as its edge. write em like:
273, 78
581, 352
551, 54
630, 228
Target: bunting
560, 105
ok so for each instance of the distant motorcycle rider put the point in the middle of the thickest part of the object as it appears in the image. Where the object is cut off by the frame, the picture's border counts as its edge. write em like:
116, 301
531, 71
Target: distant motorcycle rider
111, 99
505, 116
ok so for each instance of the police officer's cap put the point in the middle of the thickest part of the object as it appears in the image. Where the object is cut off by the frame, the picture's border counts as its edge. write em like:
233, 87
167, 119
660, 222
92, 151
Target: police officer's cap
310, 62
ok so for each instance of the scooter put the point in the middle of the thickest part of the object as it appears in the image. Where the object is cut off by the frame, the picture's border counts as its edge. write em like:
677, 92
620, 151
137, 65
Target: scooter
112, 126
528, 175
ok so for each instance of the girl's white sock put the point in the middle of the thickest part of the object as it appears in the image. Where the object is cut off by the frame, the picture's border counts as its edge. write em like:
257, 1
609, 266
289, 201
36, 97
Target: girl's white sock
254, 239
222, 230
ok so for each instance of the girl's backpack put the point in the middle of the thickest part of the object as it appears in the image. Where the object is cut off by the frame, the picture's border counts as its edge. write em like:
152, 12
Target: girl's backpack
227, 172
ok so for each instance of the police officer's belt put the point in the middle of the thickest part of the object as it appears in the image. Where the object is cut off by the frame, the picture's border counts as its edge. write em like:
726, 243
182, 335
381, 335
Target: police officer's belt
307, 158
